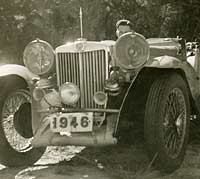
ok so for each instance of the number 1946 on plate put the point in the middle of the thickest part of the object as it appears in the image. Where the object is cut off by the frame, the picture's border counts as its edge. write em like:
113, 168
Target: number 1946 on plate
71, 122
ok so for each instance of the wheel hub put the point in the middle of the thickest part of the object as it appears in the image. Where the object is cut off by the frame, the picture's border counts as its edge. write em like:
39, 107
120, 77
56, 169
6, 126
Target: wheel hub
178, 122
175, 122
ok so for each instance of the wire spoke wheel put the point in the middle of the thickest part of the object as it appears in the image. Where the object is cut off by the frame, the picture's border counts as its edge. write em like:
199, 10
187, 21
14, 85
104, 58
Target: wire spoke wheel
11, 122
166, 125
174, 122
16, 131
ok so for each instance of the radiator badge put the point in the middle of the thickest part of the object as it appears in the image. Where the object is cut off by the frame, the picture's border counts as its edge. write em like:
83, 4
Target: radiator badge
80, 46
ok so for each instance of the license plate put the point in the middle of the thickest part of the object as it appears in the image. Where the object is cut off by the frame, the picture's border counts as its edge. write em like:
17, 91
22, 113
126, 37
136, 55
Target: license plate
73, 122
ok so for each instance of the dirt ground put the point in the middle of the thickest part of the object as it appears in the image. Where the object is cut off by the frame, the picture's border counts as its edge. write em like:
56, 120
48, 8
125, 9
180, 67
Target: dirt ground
55, 164
126, 162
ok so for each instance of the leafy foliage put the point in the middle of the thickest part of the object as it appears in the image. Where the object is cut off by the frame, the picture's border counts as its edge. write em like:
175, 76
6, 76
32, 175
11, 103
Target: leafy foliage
57, 21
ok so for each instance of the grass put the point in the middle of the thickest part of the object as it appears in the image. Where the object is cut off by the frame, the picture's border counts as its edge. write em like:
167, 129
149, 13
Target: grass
120, 162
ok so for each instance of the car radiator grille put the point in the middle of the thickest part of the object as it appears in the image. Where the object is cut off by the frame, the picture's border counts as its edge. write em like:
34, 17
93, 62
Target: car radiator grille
88, 70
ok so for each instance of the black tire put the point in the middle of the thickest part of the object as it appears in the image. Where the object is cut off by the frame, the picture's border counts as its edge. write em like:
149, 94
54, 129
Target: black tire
16, 129
166, 125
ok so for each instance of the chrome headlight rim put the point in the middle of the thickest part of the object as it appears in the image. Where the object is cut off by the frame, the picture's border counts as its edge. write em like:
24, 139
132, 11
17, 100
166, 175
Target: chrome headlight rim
76, 90
143, 44
100, 98
50, 51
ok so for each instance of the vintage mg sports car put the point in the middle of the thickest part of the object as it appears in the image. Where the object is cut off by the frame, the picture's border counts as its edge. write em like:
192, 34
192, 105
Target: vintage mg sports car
100, 93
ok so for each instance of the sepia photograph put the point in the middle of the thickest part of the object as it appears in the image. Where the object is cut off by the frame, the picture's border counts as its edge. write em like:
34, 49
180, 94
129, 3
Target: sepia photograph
99, 89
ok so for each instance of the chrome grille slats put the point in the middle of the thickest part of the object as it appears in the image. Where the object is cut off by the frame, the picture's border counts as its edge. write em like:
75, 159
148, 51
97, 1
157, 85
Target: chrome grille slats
88, 96
97, 71
85, 82
94, 72
63, 66
88, 70
91, 76
60, 68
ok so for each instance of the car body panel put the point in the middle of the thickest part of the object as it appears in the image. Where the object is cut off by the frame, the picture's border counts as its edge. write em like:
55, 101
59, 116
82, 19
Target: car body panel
167, 62
19, 70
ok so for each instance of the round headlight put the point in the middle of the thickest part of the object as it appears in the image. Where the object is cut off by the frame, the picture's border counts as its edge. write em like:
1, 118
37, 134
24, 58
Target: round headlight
39, 57
69, 93
131, 51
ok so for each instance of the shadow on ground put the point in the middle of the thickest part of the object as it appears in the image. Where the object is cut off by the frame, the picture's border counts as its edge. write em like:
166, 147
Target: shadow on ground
55, 164
112, 162
122, 162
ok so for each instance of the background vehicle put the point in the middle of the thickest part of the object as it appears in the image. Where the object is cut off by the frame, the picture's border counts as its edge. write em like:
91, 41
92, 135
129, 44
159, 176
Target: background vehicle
97, 93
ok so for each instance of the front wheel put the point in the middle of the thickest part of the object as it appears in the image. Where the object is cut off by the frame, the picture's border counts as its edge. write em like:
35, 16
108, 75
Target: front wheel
16, 129
166, 126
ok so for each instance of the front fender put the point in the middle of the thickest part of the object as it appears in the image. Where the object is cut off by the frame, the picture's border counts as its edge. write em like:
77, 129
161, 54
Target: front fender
164, 62
168, 62
19, 70
138, 90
